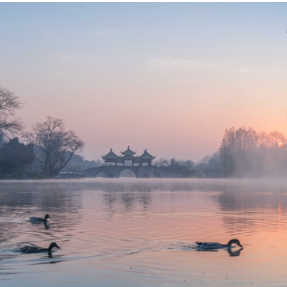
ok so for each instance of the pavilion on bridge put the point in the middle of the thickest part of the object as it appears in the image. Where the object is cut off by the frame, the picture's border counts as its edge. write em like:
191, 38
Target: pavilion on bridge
128, 158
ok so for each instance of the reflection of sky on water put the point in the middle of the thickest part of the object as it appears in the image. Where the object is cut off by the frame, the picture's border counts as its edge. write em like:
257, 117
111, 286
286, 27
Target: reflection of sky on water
126, 201
20, 200
114, 225
252, 207
238, 205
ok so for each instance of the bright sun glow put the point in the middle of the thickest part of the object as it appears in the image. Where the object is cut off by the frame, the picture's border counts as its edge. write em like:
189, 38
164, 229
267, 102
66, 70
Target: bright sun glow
280, 144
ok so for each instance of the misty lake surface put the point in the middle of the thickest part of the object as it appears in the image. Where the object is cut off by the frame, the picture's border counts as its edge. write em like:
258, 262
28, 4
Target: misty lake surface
141, 232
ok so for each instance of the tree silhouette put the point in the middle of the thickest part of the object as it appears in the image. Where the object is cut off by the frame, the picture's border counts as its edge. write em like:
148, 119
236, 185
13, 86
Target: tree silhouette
54, 146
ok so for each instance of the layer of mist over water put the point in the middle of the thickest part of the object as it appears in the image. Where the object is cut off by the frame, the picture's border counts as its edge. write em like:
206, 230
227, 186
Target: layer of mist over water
132, 232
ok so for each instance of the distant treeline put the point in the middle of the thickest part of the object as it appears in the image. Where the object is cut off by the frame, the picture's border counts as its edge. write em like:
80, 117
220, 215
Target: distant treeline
246, 153
78, 164
14, 157
49, 148
45, 150
18, 160
243, 153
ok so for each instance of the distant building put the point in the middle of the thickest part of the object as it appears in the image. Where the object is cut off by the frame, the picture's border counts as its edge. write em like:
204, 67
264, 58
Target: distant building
128, 158
140, 166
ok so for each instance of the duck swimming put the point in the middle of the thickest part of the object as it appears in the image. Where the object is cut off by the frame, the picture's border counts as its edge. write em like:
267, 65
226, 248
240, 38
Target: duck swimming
37, 249
216, 245
40, 219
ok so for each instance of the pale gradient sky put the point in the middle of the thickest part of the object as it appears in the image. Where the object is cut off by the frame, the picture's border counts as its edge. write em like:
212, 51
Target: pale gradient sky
169, 77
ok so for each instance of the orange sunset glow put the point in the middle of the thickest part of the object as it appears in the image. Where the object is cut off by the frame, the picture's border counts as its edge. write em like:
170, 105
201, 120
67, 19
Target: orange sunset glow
117, 82
143, 144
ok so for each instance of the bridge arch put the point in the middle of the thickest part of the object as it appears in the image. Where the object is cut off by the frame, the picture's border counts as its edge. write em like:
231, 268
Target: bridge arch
94, 171
127, 172
99, 174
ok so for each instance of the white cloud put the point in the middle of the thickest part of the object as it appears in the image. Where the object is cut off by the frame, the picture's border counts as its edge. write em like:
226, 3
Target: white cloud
170, 63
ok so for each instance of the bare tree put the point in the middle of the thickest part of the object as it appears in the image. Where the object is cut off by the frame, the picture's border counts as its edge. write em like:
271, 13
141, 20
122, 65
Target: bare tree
8, 104
161, 162
54, 145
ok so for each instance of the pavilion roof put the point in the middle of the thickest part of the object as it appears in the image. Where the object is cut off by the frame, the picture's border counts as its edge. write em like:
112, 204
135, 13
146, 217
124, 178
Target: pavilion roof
146, 156
128, 152
129, 157
111, 155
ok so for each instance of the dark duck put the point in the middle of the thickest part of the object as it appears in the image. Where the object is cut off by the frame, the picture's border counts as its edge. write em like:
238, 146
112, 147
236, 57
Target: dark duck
37, 249
216, 245
40, 219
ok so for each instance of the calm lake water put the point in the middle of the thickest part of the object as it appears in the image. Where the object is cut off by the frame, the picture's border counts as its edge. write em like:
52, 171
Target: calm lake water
132, 232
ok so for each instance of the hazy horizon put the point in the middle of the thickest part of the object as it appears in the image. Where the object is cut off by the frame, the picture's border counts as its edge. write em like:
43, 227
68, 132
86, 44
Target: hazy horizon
167, 77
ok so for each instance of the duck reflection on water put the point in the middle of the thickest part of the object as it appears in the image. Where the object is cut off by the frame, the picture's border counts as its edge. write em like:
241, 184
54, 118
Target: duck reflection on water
45, 223
40, 220
29, 249
216, 245
230, 251
234, 253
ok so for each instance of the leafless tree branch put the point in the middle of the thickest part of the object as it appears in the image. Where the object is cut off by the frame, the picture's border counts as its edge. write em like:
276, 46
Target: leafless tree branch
9, 103
55, 143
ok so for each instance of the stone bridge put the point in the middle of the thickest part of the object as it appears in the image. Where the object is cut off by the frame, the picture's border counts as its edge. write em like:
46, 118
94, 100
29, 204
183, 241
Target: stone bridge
139, 171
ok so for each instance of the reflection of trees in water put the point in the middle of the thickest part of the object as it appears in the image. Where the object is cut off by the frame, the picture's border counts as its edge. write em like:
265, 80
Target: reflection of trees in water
116, 186
126, 200
119, 196
127, 195
238, 223
253, 200
110, 199
43, 195
246, 207
20, 200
